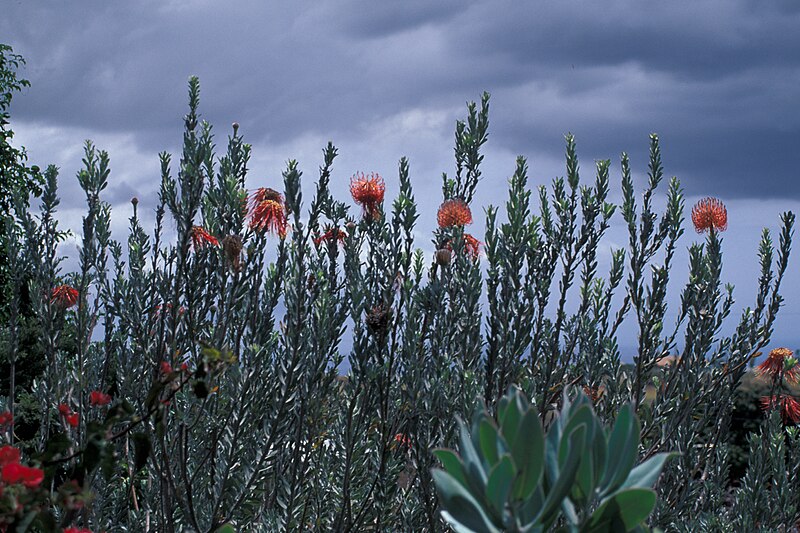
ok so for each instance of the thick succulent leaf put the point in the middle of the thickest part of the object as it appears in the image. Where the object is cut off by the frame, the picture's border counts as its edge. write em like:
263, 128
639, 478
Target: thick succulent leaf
487, 438
473, 466
566, 476
624, 511
645, 475
462, 509
624, 443
452, 464
528, 452
509, 424
499, 487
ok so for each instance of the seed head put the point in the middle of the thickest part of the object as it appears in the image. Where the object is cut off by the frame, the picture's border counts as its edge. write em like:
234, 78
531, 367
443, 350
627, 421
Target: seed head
378, 319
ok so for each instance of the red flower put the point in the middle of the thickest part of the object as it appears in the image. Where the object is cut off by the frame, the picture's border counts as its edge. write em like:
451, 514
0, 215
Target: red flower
16, 473
471, 245
333, 235
773, 365
267, 212
166, 368
72, 419
64, 296
403, 440
8, 455
74, 529
790, 408
64, 409
99, 398
6, 419
709, 213
367, 191
454, 212
200, 237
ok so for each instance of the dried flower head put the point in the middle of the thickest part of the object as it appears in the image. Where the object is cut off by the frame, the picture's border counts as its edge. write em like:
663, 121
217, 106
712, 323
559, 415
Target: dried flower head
268, 212
709, 214
775, 363
443, 256
378, 319
64, 296
232, 247
200, 238
593, 393
454, 212
367, 191
789, 407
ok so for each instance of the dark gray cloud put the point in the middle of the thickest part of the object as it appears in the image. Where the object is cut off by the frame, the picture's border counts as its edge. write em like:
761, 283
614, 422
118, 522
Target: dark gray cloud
718, 79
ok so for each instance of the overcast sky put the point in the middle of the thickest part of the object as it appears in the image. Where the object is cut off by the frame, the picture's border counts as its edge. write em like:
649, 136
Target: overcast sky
717, 80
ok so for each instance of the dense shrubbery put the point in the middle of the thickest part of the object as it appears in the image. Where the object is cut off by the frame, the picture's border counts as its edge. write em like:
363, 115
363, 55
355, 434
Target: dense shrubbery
193, 382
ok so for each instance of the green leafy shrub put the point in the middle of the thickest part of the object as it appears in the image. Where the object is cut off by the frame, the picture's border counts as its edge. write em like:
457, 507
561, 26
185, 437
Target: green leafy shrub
511, 476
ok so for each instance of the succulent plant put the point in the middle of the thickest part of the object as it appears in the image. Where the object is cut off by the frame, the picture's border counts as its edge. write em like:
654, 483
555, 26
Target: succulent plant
512, 476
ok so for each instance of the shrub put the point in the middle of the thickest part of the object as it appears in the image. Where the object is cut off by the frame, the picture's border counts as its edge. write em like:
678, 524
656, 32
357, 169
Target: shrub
220, 336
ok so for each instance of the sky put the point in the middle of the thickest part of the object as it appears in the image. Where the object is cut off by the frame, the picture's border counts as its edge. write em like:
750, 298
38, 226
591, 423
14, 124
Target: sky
718, 80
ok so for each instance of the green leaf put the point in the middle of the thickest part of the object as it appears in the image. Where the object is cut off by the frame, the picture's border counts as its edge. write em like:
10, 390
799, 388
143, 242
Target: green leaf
487, 437
499, 486
566, 476
645, 475
461, 507
624, 443
528, 452
452, 464
226, 528
624, 511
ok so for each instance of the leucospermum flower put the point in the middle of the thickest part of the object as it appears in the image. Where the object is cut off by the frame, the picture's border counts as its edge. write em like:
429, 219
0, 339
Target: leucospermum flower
454, 212
268, 212
709, 213
367, 191
98, 398
200, 238
789, 407
775, 363
331, 236
64, 296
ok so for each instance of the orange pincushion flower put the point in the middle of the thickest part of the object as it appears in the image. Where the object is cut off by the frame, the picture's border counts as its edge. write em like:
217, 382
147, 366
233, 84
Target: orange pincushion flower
201, 237
454, 212
64, 296
773, 365
267, 211
709, 213
789, 407
367, 191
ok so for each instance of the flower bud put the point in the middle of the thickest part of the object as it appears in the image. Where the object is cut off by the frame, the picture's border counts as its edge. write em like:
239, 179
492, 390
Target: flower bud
443, 256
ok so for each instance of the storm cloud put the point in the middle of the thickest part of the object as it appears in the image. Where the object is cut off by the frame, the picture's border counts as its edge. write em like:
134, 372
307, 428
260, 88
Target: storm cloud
719, 80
